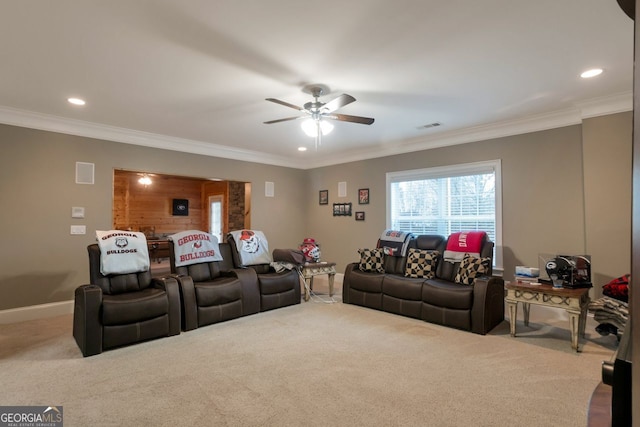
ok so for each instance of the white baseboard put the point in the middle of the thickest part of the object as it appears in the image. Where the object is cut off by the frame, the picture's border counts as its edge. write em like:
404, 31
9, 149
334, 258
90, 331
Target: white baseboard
41, 311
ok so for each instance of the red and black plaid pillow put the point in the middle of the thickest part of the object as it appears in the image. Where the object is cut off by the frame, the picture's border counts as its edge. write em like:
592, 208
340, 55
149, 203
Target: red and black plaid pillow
618, 288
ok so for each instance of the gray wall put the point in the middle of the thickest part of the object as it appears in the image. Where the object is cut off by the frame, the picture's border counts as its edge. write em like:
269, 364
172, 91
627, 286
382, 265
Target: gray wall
607, 149
43, 263
564, 190
545, 176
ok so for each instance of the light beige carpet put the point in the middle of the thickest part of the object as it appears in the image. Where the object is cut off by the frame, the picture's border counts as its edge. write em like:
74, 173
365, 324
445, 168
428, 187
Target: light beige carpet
312, 364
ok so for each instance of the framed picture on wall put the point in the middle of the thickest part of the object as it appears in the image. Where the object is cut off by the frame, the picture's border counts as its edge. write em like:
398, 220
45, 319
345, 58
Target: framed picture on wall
324, 197
342, 209
363, 196
359, 216
180, 207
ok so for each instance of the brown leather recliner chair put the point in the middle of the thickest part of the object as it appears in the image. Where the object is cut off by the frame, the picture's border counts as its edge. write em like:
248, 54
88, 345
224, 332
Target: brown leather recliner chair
122, 309
213, 292
277, 289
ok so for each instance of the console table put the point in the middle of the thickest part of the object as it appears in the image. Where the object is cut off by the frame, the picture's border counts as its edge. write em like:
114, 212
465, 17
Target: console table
311, 269
574, 301
158, 249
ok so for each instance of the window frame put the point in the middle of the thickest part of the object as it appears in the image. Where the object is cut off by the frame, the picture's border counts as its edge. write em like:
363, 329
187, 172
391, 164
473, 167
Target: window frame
462, 169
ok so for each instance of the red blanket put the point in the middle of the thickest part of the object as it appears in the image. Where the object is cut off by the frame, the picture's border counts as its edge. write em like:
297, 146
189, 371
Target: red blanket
464, 242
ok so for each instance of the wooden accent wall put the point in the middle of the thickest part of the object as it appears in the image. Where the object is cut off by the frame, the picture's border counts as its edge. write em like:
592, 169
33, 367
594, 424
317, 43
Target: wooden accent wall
140, 208
137, 207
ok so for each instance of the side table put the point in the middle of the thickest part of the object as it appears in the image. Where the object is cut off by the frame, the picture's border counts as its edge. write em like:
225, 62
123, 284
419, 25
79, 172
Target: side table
574, 301
311, 269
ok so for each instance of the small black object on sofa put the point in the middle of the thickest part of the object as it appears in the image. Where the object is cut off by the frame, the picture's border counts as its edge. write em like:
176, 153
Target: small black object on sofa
477, 308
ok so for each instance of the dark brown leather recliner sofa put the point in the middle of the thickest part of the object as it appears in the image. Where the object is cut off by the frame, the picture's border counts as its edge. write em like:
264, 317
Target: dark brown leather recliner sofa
217, 291
122, 309
477, 308
277, 289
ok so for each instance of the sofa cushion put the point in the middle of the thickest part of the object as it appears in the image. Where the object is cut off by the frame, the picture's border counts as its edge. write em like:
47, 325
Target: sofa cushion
402, 287
421, 263
371, 260
134, 307
218, 292
366, 282
445, 294
470, 268
430, 242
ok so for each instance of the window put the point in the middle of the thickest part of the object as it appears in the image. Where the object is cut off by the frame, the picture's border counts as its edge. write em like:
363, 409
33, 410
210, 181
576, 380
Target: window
215, 220
444, 200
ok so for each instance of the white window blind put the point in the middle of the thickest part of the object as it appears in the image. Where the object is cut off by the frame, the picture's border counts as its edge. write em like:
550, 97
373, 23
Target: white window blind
448, 199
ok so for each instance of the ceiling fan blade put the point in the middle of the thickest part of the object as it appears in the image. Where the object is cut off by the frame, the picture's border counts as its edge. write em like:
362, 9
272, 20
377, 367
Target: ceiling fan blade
282, 120
353, 119
338, 102
286, 104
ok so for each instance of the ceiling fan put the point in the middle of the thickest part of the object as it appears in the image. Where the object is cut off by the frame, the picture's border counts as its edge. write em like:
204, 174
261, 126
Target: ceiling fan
316, 112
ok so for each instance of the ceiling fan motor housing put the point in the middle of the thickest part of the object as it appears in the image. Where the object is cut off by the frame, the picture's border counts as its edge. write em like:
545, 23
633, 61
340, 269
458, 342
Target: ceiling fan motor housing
313, 106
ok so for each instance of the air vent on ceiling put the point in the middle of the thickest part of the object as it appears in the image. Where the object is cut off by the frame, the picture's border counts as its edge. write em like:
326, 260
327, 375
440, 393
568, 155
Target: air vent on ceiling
430, 125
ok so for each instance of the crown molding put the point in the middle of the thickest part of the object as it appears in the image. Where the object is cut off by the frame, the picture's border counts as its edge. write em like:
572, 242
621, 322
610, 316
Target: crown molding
612, 104
47, 122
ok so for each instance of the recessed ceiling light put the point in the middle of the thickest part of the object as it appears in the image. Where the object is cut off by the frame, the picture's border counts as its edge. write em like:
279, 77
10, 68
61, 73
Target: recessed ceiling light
302, 148
591, 73
76, 101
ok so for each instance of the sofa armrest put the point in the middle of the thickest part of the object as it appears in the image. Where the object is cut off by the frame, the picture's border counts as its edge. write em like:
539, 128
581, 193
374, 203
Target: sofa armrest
169, 284
488, 304
346, 282
250, 289
189, 310
87, 328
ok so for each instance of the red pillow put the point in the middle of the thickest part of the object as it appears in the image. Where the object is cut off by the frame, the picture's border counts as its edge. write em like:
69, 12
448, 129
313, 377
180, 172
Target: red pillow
618, 288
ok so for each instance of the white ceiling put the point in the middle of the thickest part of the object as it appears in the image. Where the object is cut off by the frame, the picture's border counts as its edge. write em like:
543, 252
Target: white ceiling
193, 75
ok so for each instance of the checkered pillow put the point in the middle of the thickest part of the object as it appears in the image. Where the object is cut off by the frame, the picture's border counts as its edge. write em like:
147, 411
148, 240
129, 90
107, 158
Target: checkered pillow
371, 260
421, 263
470, 268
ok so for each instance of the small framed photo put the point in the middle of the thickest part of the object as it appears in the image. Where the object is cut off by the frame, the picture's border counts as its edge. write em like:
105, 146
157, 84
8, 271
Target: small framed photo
359, 216
342, 209
363, 196
180, 207
323, 198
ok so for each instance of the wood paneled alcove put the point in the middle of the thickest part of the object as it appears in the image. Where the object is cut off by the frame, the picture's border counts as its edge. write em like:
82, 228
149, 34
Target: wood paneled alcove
149, 208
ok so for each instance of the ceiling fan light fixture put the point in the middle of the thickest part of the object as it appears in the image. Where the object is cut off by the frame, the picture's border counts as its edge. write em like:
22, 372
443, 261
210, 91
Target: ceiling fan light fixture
310, 127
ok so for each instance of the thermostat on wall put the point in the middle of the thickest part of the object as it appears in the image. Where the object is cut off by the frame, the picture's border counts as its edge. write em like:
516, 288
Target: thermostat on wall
77, 212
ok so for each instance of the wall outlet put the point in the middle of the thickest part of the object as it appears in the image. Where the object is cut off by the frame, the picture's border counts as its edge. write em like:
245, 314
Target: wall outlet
78, 229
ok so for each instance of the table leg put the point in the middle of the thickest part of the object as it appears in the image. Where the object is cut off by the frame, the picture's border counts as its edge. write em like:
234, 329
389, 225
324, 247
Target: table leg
583, 321
526, 309
331, 277
306, 289
574, 321
513, 313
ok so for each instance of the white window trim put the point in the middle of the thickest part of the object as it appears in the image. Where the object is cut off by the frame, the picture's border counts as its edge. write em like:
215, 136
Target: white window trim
453, 170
